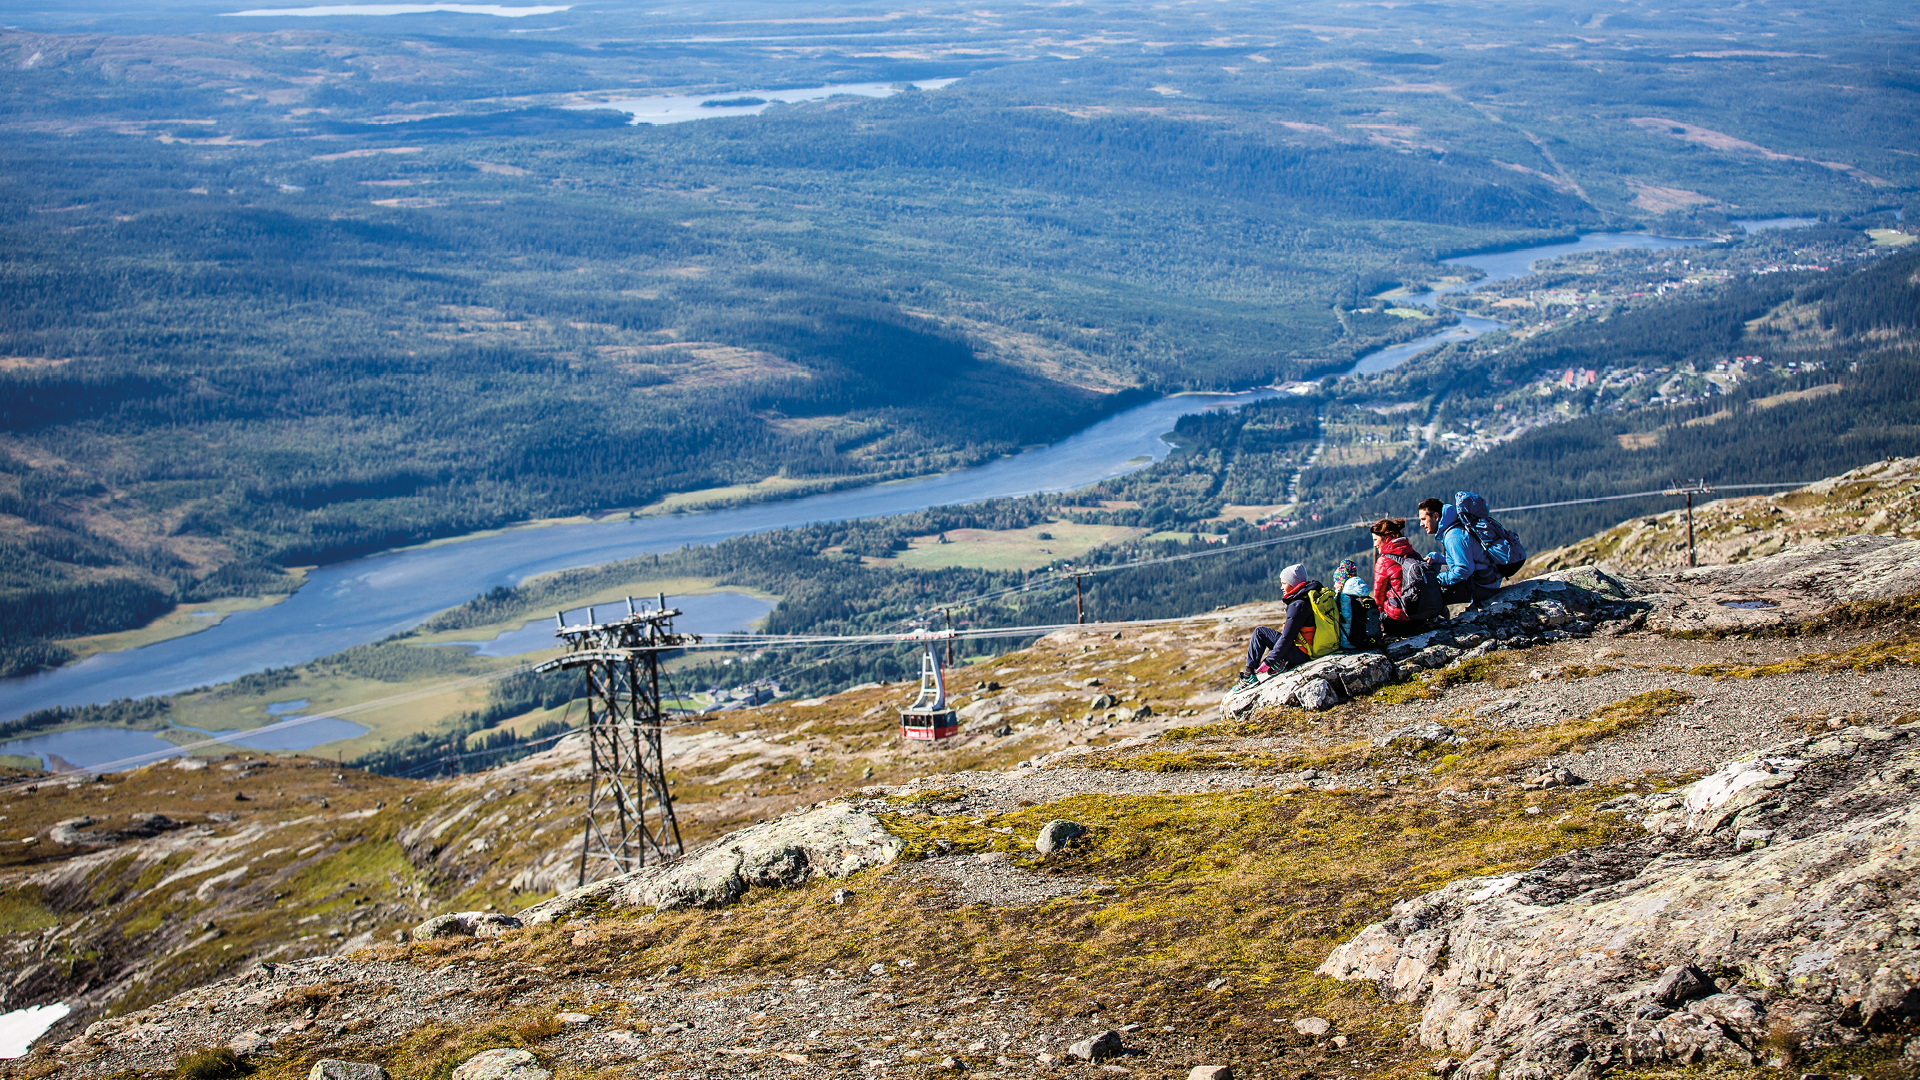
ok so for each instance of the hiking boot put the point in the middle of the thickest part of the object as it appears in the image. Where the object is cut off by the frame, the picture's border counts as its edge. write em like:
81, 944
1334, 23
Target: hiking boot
1247, 678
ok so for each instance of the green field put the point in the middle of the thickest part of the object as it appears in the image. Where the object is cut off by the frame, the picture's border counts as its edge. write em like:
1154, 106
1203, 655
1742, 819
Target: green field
1030, 548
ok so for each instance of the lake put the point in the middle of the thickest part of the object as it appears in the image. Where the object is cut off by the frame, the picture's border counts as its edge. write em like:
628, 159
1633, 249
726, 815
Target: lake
675, 110
83, 748
357, 10
1505, 266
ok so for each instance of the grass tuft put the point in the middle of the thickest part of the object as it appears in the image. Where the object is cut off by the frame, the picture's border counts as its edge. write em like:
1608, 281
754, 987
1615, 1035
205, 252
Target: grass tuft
540, 1028
212, 1063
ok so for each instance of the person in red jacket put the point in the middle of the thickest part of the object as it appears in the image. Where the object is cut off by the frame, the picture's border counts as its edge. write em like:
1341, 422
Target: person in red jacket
1390, 540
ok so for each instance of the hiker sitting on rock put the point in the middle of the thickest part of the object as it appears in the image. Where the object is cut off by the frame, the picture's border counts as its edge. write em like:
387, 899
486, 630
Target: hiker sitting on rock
1465, 573
1407, 594
1349, 581
1273, 650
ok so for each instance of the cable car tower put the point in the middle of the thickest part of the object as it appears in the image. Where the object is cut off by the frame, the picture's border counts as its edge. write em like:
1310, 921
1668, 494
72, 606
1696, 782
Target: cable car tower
930, 718
629, 818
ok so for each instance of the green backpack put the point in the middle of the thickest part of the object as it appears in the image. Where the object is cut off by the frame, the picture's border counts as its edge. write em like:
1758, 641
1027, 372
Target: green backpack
1326, 623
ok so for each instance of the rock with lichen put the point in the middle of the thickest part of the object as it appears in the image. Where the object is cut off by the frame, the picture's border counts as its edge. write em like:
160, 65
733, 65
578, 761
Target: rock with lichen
1543, 974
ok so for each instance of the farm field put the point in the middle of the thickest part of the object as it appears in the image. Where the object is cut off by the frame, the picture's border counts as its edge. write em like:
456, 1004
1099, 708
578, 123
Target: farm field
1046, 544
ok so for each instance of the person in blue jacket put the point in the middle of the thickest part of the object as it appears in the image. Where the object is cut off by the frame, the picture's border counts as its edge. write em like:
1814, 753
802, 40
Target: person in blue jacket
1465, 574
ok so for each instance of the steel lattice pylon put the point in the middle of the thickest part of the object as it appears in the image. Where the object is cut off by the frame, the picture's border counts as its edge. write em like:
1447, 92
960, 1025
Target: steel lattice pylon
629, 818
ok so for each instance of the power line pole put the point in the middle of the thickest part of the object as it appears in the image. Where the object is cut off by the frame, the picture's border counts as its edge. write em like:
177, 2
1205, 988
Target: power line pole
1689, 489
1079, 600
629, 816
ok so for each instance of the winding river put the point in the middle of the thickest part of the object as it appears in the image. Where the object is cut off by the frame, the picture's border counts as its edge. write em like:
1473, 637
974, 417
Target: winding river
368, 599
1505, 266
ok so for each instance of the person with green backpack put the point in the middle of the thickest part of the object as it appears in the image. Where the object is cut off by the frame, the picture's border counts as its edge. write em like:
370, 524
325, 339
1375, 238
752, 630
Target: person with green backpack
1311, 629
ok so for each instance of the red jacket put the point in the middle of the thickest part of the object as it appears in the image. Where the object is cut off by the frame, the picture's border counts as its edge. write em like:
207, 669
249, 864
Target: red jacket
1386, 576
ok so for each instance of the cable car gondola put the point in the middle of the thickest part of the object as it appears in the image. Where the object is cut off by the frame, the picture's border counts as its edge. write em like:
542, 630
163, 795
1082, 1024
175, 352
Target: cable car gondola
929, 718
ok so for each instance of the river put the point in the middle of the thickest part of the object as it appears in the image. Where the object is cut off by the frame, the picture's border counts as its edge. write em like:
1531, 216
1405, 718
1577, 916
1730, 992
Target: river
368, 599
1505, 266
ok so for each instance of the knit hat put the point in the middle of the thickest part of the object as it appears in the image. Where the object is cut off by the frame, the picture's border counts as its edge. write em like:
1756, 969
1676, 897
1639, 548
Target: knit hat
1292, 575
1349, 569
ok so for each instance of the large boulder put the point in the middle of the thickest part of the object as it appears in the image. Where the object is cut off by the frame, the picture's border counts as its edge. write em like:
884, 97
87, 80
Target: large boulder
1317, 684
1057, 834
832, 842
481, 924
504, 1063
1546, 974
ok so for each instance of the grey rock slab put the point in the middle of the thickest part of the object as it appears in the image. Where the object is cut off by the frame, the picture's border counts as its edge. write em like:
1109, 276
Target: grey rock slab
1419, 736
250, 1044
1433, 656
831, 842
1210, 1072
336, 1069
1340, 677
1526, 976
1680, 984
1057, 834
1098, 1047
503, 1063
88, 831
1789, 587
1313, 1027
466, 924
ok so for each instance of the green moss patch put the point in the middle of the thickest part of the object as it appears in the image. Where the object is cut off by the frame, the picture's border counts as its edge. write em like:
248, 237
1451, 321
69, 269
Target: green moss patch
1861, 659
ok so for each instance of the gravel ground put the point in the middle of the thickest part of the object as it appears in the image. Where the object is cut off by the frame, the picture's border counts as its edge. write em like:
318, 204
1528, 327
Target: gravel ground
876, 1022
992, 878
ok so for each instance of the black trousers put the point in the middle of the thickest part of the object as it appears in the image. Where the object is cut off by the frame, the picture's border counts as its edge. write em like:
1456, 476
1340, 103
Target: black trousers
1261, 648
1402, 627
1465, 592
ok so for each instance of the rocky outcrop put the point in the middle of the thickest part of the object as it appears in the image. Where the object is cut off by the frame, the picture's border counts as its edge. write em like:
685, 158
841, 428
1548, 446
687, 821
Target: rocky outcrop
833, 841
95, 832
1795, 585
1319, 684
1779, 896
1881, 498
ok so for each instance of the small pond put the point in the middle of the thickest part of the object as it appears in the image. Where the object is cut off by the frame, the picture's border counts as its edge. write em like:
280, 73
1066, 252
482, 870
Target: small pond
85, 748
674, 110
1754, 225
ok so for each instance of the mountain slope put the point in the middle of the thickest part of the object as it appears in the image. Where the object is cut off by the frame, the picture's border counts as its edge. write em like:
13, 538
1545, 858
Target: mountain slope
1223, 858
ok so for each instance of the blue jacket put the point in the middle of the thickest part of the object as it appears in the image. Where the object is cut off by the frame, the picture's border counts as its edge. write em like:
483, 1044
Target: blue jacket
1466, 559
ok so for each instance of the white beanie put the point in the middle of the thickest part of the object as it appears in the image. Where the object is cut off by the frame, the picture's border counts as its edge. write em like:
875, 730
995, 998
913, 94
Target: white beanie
1292, 575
